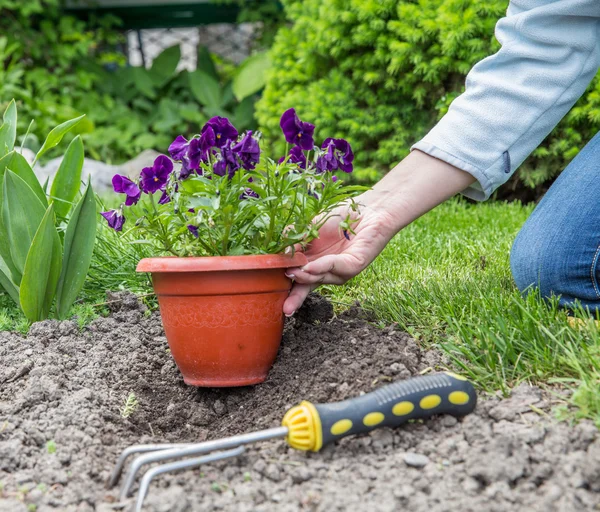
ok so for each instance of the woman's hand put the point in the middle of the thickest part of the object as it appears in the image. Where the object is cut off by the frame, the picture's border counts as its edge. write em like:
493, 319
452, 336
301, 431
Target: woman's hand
415, 186
335, 257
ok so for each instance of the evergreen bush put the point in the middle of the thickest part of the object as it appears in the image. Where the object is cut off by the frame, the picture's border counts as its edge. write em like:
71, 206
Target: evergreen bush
381, 73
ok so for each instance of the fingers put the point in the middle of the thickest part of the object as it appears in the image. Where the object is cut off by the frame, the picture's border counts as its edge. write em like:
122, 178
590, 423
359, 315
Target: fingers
330, 269
296, 298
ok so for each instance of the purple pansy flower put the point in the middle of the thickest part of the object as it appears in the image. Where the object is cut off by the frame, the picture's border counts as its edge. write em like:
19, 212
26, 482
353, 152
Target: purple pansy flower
346, 234
194, 156
178, 148
115, 219
123, 185
296, 156
248, 150
295, 131
227, 162
164, 199
334, 178
193, 230
155, 178
338, 155
223, 130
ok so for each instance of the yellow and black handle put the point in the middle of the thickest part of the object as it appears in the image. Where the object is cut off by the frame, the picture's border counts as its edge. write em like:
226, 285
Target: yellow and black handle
310, 427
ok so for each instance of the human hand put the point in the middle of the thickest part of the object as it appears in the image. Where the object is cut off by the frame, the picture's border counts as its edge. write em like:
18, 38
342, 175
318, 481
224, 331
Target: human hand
337, 256
416, 185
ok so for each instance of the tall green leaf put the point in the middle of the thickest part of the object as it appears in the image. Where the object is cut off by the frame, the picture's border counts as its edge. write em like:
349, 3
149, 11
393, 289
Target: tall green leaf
7, 283
42, 270
205, 89
56, 135
67, 181
165, 64
206, 63
251, 75
22, 212
8, 130
79, 246
18, 164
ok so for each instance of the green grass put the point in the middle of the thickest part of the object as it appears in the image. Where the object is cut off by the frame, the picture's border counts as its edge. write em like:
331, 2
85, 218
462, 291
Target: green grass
446, 279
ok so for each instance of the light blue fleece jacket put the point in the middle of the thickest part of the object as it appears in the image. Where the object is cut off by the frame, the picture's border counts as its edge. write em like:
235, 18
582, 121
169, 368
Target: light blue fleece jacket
513, 99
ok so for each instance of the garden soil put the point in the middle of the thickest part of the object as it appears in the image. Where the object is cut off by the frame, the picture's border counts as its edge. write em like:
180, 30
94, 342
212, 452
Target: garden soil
62, 393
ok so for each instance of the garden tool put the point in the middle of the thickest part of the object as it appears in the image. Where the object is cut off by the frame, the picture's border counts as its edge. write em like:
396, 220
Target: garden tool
310, 426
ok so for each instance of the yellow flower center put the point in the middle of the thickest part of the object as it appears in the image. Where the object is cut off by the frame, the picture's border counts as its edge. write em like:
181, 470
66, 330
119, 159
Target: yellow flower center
299, 135
155, 179
218, 135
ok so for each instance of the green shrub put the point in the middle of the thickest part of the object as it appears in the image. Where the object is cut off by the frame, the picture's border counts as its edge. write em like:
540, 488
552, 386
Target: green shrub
58, 67
381, 73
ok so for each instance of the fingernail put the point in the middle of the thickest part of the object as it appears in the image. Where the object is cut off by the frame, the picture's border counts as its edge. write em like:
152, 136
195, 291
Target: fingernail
290, 315
291, 276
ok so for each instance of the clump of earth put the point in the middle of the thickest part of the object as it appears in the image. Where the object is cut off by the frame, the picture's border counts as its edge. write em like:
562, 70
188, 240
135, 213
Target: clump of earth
64, 420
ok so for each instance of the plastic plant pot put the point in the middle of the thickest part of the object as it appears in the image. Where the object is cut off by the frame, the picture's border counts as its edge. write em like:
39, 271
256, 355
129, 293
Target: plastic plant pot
222, 315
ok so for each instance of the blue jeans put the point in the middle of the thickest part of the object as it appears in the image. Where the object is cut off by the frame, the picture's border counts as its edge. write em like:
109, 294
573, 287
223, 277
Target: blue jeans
558, 248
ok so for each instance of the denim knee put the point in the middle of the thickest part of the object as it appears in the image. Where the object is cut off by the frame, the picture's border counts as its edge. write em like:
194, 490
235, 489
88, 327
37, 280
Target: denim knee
535, 263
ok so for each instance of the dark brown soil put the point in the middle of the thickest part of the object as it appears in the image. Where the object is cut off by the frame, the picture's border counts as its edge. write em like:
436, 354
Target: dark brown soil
61, 426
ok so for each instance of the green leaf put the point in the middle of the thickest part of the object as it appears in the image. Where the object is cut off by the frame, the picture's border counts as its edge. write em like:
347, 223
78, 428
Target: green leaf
22, 213
56, 135
8, 130
251, 75
165, 64
7, 283
206, 63
244, 114
79, 247
143, 82
67, 181
18, 164
42, 270
205, 89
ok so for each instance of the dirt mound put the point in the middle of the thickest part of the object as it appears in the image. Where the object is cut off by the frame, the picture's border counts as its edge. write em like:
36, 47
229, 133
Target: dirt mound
62, 402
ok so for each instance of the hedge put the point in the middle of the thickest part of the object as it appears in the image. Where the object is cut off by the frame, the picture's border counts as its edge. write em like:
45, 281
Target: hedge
381, 73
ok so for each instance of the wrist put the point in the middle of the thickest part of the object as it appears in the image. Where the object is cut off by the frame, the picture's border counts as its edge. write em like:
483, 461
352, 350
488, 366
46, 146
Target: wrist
416, 185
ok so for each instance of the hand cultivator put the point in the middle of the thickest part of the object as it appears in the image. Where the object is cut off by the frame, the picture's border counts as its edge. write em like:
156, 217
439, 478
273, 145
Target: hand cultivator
310, 427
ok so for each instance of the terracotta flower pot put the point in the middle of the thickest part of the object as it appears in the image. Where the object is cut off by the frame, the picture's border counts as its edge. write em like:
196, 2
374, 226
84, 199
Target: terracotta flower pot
223, 315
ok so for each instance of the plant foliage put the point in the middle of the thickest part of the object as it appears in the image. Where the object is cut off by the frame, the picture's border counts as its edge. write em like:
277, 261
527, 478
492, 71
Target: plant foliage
46, 242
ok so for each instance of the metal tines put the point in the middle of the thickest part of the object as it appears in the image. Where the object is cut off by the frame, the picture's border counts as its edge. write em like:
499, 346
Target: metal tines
188, 453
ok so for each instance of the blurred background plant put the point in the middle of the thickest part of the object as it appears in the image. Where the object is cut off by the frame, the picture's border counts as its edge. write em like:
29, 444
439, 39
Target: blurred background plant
58, 66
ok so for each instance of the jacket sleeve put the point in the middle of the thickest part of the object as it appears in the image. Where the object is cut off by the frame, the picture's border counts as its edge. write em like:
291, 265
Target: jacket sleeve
513, 99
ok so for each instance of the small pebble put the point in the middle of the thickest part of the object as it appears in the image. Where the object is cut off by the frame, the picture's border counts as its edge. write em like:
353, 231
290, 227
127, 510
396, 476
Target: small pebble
415, 460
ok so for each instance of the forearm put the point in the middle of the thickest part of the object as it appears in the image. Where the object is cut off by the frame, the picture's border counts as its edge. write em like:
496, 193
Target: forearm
416, 185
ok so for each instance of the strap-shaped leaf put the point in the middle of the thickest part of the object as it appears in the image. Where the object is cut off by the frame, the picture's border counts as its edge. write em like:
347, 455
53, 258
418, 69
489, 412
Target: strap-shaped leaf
79, 246
8, 130
68, 178
7, 283
22, 213
18, 164
42, 270
205, 88
56, 135
251, 75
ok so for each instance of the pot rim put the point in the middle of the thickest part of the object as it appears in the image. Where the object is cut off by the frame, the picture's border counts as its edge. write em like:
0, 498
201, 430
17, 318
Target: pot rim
220, 263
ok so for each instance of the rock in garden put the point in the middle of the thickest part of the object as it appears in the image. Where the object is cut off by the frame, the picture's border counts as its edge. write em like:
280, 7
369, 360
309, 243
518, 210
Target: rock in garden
415, 460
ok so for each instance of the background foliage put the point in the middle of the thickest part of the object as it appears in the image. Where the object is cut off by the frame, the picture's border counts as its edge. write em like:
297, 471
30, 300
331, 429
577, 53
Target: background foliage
382, 72
58, 67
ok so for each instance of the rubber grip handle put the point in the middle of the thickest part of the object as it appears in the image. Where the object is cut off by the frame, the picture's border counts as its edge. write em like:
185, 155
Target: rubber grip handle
395, 404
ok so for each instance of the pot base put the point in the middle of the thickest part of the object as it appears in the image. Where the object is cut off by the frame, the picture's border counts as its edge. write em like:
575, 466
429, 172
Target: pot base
224, 383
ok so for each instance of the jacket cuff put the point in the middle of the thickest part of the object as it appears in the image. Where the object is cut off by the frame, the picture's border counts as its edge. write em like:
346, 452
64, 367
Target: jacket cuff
480, 190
